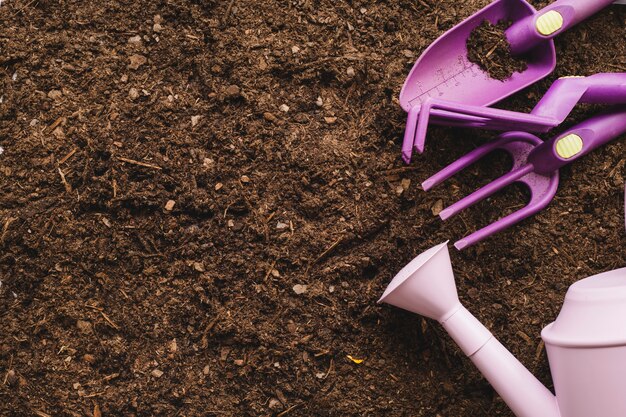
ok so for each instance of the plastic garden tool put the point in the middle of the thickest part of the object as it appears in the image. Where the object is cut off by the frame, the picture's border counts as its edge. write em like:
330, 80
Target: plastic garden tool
586, 344
535, 164
443, 71
556, 104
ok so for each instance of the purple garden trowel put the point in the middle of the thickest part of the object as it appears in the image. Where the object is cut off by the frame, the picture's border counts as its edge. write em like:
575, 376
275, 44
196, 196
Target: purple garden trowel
554, 107
443, 71
535, 164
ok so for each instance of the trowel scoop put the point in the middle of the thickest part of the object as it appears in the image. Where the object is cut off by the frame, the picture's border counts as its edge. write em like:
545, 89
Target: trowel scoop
443, 71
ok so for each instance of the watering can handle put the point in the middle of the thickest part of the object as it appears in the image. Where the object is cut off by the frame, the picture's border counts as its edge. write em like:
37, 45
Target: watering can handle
578, 141
550, 21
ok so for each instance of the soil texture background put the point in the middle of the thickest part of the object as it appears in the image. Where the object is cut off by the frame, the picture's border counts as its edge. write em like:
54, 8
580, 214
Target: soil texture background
202, 201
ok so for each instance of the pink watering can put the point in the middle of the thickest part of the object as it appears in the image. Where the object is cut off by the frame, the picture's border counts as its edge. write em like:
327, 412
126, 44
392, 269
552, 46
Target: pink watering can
586, 344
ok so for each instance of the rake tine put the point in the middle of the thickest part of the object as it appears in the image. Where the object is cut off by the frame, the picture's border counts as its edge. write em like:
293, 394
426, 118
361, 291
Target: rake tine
443, 112
485, 191
450, 113
452, 116
485, 124
462, 120
525, 126
417, 125
409, 134
490, 113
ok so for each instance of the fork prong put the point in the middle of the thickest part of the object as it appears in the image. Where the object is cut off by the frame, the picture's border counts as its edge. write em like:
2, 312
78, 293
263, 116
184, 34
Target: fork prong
542, 189
463, 162
485, 191
497, 226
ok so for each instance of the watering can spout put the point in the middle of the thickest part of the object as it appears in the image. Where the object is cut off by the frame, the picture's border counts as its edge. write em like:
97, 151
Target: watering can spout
426, 287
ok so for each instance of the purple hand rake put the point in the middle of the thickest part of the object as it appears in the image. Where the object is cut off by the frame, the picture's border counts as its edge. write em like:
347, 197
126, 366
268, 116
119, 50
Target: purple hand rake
552, 109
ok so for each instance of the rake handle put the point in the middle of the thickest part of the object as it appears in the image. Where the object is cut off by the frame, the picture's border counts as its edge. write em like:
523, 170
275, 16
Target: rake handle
550, 21
566, 92
605, 88
578, 141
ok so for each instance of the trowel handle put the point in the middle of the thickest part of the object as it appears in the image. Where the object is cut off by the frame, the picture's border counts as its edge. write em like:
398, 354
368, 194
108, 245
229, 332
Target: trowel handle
548, 22
578, 141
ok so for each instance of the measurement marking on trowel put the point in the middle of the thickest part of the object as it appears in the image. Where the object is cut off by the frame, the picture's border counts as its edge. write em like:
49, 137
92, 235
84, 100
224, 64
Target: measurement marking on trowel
467, 69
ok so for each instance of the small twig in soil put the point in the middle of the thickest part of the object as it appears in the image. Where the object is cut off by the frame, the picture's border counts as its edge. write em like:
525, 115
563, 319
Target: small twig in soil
228, 10
55, 123
617, 166
617, 67
21, 9
515, 206
323, 305
68, 187
115, 326
143, 164
107, 378
330, 368
524, 336
6, 376
318, 354
493, 48
529, 285
226, 209
326, 252
68, 156
207, 330
269, 271
423, 3
287, 411
5, 228
96, 410
538, 351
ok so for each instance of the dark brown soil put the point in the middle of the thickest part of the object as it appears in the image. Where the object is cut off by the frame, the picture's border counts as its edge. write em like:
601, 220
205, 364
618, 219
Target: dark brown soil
172, 170
487, 46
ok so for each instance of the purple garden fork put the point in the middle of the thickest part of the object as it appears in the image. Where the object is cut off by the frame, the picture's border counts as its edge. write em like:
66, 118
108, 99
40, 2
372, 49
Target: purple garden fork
552, 109
535, 163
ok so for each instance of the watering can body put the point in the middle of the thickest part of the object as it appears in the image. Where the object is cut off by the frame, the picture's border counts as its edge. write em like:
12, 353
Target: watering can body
586, 347
586, 344
589, 381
